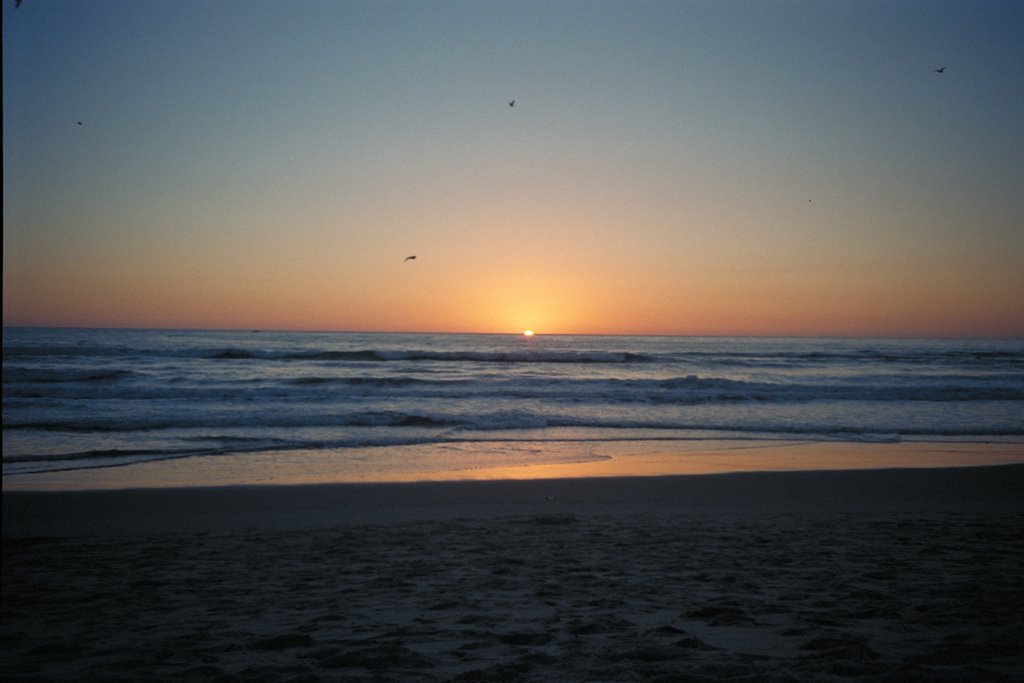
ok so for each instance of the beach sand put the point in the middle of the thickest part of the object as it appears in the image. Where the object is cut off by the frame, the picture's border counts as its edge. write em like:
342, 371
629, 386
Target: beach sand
890, 575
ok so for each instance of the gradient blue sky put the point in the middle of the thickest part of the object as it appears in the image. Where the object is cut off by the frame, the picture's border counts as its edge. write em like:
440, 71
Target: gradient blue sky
669, 167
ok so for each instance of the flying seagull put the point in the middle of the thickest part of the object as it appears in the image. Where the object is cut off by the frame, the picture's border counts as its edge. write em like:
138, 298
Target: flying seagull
512, 103
940, 70
409, 258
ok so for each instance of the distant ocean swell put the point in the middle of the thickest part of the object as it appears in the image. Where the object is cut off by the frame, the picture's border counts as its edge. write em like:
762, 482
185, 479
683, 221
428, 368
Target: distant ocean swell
364, 355
938, 357
98, 398
798, 422
686, 390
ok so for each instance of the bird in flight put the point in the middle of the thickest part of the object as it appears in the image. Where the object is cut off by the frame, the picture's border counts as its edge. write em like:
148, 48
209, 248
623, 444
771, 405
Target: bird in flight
940, 70
409, 258
512, 103
79, 123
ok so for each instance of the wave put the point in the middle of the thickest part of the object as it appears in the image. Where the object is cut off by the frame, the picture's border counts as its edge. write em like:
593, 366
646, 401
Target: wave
379, 382
755, 356
759, 360
22, 375
386, 356
228, 419
233, 354
263, 387
894, 356
113, 453
432, 422
369, 355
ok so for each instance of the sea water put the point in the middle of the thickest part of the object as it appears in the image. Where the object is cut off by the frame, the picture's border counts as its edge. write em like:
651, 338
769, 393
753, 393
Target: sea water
78, 399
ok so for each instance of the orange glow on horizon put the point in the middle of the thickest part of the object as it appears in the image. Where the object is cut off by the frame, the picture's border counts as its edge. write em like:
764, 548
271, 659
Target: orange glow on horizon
597, 294
405, 195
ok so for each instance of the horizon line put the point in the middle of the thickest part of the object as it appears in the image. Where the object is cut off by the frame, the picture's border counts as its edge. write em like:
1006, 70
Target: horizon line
750, 335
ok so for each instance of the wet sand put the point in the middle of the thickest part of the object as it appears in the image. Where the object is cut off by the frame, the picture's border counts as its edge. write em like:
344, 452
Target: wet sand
903, 574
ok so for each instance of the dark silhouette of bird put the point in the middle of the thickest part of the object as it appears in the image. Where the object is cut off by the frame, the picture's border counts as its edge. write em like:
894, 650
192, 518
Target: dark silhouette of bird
79, 123
512, 103
940, 70
409, 258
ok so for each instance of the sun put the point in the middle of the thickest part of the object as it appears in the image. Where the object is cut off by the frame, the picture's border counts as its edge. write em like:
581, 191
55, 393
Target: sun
527, 333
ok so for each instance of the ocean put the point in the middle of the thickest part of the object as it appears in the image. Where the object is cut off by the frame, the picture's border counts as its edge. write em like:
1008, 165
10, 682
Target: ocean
369, 404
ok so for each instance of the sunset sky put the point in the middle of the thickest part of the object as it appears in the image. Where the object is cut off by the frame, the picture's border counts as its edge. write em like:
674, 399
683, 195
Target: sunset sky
726, 167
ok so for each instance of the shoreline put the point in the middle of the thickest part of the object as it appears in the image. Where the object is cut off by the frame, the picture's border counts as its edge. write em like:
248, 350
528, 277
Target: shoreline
996, 489
525, 460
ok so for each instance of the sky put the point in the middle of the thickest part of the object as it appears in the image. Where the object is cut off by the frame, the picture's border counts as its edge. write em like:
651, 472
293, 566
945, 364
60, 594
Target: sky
780, 167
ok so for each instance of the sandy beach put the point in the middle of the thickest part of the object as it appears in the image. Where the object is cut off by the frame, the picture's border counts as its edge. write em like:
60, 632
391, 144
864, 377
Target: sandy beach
901, 574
